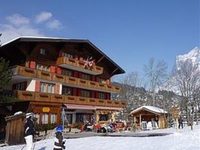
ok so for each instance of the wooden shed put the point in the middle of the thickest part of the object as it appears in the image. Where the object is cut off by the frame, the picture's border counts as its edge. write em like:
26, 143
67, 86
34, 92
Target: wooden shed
15, 129
149, 114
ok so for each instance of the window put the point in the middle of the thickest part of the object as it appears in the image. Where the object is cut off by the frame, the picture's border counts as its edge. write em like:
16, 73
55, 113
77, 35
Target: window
85, 93
42, 51
69, 118
66, 90
67, 72
67, 55
37, 116
101, 95
42, 67
47, 87
85, 76
45, 118
103, 117
53, 118
79, 117
20, 86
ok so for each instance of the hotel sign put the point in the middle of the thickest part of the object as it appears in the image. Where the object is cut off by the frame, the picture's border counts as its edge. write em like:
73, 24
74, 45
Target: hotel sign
45, 109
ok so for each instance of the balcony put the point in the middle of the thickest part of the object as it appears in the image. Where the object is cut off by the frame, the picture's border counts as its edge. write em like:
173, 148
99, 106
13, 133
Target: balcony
27, 72
45, 75
56, 98
78, 65
65, 80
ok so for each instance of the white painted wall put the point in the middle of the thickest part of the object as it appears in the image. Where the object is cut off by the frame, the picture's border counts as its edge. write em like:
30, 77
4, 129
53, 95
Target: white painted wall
60, 91
31, 85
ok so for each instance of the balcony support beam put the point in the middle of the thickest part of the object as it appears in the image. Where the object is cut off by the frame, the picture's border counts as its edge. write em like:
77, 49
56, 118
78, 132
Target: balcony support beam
100, 59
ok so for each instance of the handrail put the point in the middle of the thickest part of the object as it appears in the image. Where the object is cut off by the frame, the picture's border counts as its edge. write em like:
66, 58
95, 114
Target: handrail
57, 98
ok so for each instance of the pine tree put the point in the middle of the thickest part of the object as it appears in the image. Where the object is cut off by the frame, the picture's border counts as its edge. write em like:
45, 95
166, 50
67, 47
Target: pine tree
5, 73
5, 77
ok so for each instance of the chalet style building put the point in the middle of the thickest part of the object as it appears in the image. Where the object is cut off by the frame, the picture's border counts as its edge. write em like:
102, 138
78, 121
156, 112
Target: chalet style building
52, 76
146, 114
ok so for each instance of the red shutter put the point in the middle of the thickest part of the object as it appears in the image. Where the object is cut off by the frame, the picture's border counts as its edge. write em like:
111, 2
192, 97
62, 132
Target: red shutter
96, 94
74, 91
53, 69
107, 95
75, 74
79, 74
37, 86
93, 78
32, 64
78, 92
58, 70
93, 94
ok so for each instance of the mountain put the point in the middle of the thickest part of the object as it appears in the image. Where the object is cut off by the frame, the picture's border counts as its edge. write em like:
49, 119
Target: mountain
194, 56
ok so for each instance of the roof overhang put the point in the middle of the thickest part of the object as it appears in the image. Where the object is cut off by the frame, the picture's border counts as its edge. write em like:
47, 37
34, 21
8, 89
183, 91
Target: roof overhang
117, 68
88, 107
151, 109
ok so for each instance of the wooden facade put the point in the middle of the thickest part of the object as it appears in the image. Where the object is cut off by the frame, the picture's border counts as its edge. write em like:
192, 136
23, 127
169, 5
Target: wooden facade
149, 114
51, 74
15, 129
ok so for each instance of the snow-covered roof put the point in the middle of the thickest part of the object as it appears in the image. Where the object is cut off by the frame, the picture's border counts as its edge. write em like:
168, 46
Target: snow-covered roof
152, 109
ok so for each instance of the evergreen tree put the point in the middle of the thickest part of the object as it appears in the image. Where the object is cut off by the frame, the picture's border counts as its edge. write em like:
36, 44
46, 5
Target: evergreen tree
5, 73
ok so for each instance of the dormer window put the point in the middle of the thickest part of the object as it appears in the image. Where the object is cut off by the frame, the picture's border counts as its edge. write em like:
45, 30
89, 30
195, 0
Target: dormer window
42, 51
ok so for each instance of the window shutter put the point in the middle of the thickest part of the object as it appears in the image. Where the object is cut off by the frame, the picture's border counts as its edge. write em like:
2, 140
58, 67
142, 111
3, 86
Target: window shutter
53, 69
32, 64
37, 86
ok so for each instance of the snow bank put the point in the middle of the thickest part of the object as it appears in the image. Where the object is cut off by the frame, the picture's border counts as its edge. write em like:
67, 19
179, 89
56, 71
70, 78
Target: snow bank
184, 139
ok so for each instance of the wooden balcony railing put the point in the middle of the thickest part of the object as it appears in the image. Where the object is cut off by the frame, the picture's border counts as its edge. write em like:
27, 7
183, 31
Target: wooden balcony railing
78, 65
75, 82
48, 97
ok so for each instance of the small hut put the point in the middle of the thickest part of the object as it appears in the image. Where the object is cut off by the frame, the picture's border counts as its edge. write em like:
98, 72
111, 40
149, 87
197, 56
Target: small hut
149, 114
15, 129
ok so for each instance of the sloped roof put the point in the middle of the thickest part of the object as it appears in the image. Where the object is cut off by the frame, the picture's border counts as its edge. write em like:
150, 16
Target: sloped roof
57, 40
152, 109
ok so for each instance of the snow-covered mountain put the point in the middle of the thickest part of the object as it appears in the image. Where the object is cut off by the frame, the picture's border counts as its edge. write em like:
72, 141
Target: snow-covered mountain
194, 56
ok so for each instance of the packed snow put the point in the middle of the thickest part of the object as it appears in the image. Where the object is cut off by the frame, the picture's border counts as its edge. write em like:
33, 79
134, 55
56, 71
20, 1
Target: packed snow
181, 139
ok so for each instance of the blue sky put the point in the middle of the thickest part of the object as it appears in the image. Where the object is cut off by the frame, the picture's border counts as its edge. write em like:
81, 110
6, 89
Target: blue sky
130, 32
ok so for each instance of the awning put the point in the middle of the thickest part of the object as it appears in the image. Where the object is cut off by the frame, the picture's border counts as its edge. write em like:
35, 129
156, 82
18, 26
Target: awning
84, 107
87, 107
109, 108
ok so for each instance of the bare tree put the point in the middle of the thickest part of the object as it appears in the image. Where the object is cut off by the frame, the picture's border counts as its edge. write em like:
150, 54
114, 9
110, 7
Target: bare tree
129, 86
187, 78
156, 73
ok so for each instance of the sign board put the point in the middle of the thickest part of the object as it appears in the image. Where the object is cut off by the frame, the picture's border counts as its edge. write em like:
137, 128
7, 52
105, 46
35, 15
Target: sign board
45, 109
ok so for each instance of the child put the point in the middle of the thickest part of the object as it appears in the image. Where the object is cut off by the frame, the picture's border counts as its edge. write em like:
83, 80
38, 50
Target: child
59, 144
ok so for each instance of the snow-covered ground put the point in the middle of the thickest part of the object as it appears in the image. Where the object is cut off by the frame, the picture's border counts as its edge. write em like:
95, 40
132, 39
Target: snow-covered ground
183, 139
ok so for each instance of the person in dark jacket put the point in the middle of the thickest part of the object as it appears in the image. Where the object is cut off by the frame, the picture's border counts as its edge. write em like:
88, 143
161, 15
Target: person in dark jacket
59, 143
29, 131
180, 122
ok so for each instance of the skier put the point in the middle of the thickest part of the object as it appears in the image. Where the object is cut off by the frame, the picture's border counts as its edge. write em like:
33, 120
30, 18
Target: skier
59, 143
29, 131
